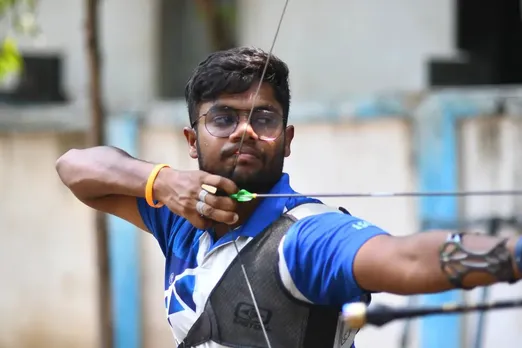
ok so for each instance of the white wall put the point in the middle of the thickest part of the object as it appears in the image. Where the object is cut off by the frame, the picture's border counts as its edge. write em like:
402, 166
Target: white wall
491, 160
336, 47
47, 250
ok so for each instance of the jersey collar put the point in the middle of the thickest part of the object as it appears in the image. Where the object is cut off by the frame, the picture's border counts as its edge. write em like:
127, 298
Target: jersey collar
268, 210
265, 214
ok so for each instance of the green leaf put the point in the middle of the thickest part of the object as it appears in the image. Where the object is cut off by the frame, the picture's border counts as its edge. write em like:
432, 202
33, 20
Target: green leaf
10, 58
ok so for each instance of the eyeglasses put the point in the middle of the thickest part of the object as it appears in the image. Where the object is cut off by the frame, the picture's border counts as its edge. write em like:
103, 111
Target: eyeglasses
221, 122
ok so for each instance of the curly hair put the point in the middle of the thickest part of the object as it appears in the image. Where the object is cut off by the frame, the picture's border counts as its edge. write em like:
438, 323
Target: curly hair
234, 71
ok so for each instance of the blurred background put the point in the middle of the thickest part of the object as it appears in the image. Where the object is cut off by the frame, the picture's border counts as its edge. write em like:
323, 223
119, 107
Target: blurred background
388, 95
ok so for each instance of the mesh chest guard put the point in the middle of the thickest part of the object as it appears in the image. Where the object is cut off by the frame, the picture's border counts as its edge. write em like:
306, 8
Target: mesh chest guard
229, 317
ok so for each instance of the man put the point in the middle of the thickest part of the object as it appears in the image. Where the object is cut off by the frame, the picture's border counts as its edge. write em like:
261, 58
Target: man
303, 260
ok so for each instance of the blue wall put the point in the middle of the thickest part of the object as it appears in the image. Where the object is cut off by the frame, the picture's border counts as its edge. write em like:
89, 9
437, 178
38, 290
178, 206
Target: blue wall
125, 263
437, 147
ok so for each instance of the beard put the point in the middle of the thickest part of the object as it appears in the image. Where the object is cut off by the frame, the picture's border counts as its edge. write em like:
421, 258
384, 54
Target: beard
259, 181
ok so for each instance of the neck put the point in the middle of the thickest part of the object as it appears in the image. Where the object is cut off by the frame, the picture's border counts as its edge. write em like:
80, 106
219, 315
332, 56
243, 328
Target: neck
244, 210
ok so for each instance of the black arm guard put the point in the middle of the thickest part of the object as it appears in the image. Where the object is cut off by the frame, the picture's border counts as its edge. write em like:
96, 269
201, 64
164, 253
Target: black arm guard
456, 261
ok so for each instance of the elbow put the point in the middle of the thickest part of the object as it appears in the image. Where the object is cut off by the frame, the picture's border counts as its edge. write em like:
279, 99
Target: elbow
411, 277
417, 276
67, 167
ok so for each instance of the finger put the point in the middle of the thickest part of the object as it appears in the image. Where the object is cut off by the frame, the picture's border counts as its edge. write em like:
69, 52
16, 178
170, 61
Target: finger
222, 203
208, 211
222, 183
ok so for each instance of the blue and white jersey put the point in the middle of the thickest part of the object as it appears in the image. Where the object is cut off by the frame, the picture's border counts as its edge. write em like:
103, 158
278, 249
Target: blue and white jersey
315, 263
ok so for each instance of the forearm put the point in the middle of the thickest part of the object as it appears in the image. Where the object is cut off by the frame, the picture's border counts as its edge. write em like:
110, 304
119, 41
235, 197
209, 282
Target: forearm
421, 255
102, 171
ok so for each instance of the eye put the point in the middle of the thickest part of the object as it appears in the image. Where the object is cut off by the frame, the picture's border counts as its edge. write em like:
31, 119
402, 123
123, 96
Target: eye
266, 118
223, 120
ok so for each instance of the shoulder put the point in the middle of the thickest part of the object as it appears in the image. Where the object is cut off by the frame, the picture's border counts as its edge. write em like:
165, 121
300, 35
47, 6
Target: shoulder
317, 253
309, 209
314, 218
326, 229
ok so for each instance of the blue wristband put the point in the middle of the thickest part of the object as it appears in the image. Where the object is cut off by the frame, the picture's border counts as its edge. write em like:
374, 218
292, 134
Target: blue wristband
518, 254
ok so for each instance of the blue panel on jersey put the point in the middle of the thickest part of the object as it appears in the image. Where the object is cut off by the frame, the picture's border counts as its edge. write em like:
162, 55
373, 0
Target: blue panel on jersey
184, 242
176, 266
185, 290
174, 305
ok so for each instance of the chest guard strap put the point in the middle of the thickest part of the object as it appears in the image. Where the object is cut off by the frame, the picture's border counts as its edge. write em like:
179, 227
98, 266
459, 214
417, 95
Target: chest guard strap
229, 317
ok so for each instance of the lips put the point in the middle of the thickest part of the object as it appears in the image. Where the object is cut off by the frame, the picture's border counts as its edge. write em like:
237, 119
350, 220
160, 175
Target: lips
245, 150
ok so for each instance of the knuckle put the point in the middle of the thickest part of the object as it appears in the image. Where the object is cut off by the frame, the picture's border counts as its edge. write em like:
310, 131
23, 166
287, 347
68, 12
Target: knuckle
219, 181
208, 210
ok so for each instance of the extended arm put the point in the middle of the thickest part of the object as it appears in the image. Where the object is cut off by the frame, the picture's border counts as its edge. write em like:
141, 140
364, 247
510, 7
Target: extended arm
333, 259
431, 262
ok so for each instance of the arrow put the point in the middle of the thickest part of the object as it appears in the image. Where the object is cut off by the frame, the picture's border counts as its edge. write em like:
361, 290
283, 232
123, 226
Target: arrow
358, 314
245, 196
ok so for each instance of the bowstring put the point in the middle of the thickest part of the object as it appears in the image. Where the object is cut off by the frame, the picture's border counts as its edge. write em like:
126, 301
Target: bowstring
243, 268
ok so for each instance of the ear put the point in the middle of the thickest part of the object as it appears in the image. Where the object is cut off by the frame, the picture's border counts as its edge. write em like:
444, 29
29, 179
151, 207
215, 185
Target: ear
289, 136
191, 136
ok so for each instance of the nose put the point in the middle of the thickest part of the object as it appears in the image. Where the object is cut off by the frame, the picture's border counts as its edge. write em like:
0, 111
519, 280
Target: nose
243, 128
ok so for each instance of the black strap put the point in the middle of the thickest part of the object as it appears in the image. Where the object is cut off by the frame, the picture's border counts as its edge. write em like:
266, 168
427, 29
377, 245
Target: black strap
199, 333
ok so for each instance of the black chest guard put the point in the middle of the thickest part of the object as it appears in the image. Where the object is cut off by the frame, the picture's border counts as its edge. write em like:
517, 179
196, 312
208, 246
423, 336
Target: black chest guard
230, 318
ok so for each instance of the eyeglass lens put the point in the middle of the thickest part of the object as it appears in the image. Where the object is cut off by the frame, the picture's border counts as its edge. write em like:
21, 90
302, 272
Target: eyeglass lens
224, 121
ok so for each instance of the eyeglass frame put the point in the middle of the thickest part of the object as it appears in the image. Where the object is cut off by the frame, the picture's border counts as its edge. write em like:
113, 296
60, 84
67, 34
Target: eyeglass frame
239, 112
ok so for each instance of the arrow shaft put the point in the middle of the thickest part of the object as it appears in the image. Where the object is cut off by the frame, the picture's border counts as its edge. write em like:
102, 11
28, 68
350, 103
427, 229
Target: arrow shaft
393, 194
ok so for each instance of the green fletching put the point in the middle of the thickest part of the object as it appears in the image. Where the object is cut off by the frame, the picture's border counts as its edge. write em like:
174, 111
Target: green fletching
243, 196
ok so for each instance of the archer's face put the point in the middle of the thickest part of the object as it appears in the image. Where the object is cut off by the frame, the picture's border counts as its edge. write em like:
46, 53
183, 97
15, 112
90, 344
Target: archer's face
216, 142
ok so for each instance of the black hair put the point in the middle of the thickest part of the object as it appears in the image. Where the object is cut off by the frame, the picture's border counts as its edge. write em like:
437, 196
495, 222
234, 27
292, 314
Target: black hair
234, 71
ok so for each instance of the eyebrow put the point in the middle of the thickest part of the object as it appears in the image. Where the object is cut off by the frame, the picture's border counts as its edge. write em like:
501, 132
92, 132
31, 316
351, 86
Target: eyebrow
222, 105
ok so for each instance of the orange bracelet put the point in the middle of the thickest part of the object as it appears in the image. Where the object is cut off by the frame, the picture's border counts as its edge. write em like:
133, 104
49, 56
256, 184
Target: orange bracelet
150, 183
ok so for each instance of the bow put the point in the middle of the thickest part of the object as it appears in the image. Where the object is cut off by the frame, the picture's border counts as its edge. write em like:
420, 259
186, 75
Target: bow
357, 315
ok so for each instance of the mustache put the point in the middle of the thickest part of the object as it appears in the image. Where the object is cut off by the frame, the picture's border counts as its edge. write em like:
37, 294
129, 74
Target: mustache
233, 150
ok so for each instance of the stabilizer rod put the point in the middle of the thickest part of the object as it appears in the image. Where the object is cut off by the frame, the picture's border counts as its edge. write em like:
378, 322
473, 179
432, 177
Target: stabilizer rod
358, 314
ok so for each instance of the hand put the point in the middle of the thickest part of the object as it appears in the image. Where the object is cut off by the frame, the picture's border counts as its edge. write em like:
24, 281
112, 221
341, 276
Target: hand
181, 191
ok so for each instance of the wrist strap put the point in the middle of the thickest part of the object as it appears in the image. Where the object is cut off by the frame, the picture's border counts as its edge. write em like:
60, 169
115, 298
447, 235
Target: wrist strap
150, 183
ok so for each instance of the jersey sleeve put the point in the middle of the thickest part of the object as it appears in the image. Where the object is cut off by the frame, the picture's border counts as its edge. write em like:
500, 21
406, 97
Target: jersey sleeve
161, 222
316, 257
